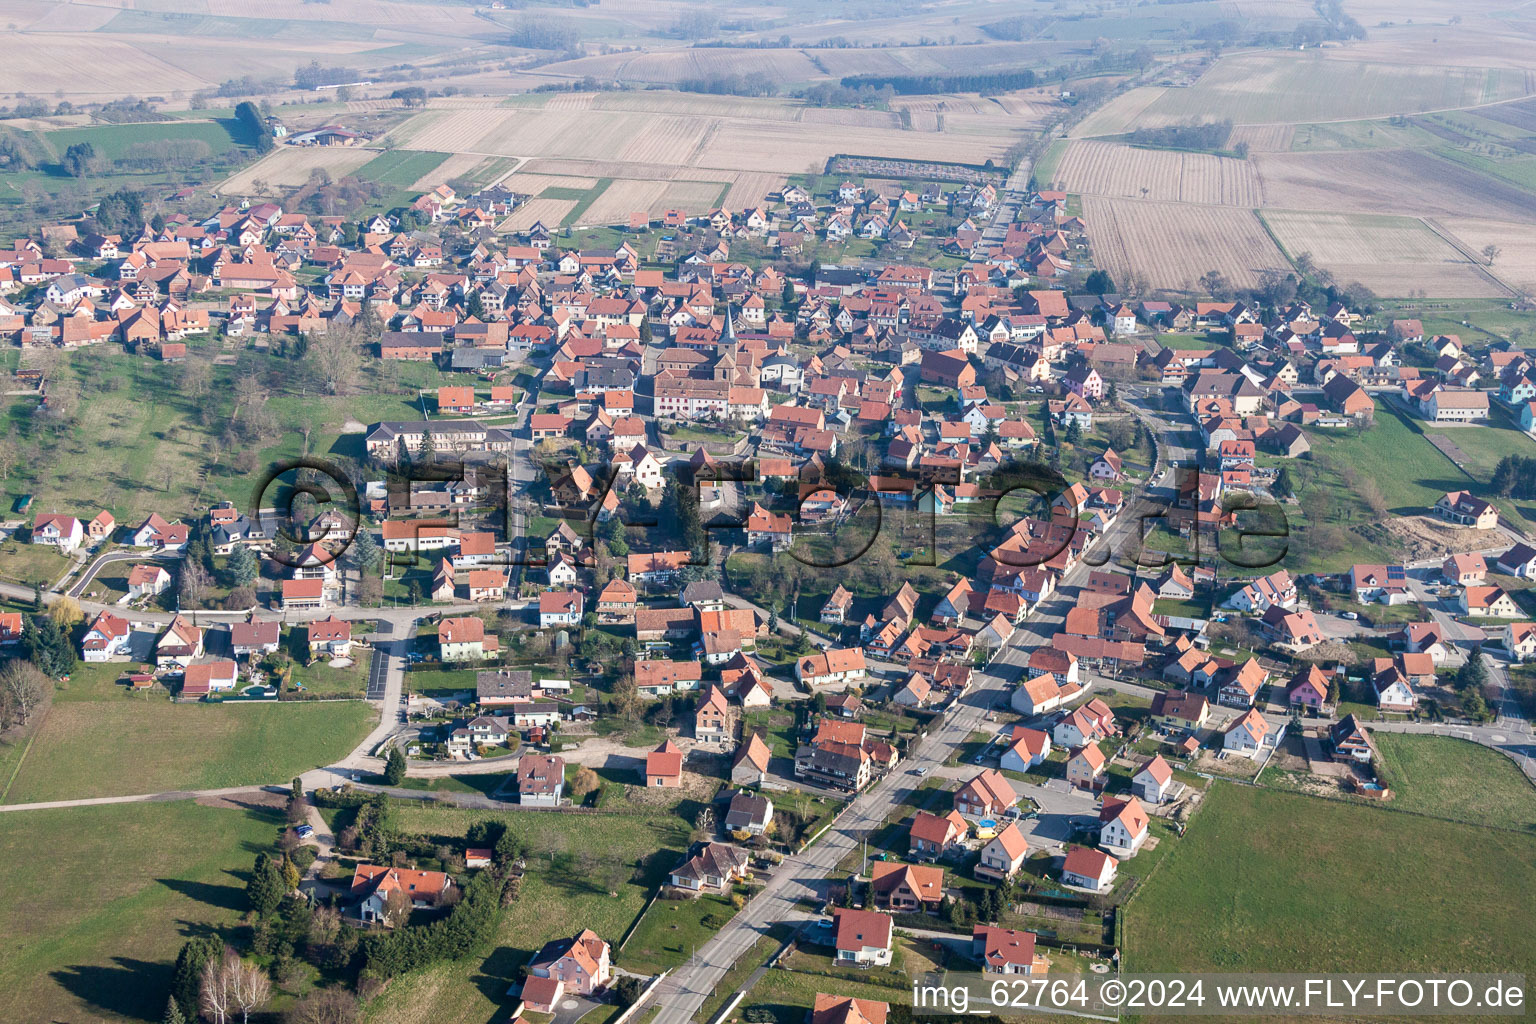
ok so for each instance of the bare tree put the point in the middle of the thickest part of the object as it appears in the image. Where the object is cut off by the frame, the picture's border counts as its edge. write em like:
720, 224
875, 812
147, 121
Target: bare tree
335, 358
251, 989
24, 692
8, 456
397, 908
194, 582
325, 1006
216, 994
1491, 253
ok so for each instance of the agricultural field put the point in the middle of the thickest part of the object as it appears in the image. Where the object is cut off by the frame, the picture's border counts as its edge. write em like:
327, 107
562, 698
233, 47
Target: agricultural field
664, 136
549, 212
1242, 891
1403, 182
1289, 88
291, 166
95, 936
1516, 262
1170, 245
470, 167
1128, 172
401, 168
1389, 255
1263, 138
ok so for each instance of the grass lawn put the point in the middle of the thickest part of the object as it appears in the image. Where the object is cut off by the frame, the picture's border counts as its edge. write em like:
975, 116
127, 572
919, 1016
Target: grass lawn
1456, 779
31, 563
322, 679
574, 863
90, 748
95, 934
112, 140
1270, 881
671, 931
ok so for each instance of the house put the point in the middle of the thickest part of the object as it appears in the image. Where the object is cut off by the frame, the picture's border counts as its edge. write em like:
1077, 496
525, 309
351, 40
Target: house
1488, 602
1085, 766
1006, 951
1464, 570
933, 835
1029, 748
916, 692
1258, 596
987, 795
712, 721
208, 677
1179, 710
330, 636
1463, 509
1519, 560
1246, 734
373, 884
1152, 780
1308, 689
540, 780
861, 937
664, 766
504, 687
1384, 584
715, 867
62, 532
249, 639
835, 611
558, 608
906, 888
107, 638
1004, 855
836, 1009
749, 814
836, 665
750, 765
582, 964
1089, 869
179, 646
1123, 826
1350, 741
303, 595
1238, 687
1087, 724
1392, 685
155, 532
541, 995
1520, 641
147, 581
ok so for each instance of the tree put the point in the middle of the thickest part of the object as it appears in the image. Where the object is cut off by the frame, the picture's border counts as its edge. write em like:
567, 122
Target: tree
242, 567
1491, 253
1473, 674
65, 610
397, 908
24, 693
47, 646
582, 783
216, 995
335, 358
325, 1006
365, 552
1098, 283
1333, 690
187, 975
394, 767
194, 582
266, 888
173, 1014
251, 989
79, 159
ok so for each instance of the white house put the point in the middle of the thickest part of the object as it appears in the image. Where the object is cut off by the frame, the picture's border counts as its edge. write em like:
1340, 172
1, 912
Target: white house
862, 937
1123, 826
1152, 781
1246, 735
1089, 869
62, 532
1030, 747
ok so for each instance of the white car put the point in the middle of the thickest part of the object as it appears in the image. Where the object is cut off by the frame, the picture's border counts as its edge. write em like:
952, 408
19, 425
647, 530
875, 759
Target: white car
1351, 616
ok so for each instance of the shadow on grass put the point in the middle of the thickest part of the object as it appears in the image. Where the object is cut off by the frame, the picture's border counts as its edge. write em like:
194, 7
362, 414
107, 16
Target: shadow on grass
133, 988
225, 897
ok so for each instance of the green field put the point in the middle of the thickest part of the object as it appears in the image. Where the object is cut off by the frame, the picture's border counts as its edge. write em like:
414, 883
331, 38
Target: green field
1456, 779
127, 744
671, 931
1269, 881
1375, 134
94, 936
112, 140
574, 863
400, 167
182, 25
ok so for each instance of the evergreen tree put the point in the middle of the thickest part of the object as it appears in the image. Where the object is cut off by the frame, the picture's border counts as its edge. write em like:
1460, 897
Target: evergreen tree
1074, 432
402, 453
47, 646
242, 567
428, 445
187, 975
474, 307
1333, 690
37, 597
266, 888
173, 1014
1282, 486
365, 551
394, 767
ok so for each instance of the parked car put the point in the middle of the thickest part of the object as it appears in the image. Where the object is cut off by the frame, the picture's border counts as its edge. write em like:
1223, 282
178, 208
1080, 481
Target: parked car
1351, 616
305, 831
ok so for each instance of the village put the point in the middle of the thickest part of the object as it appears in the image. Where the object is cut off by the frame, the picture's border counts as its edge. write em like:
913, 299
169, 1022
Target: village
766, 547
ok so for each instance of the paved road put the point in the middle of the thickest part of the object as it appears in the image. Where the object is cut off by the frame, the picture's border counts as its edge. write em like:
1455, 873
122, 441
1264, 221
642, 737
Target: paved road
102, 561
